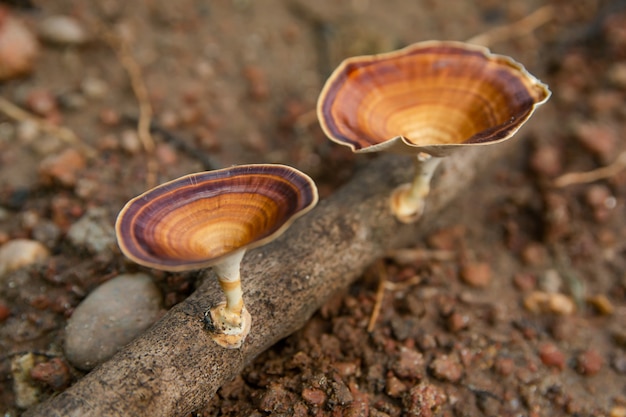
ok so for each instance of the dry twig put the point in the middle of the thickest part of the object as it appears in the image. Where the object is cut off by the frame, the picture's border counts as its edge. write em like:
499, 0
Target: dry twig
65, 134
380, 294
128, 62
594, 175
522, 27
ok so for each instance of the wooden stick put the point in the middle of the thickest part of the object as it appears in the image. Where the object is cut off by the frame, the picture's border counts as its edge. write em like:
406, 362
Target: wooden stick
594, 175
383, 276
524, 26
65, 134
128, 62
175, 367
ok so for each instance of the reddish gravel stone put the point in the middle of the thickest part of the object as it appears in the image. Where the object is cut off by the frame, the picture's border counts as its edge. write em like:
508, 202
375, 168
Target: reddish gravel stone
446, 368
410, 364
423, 400
314, 396
62, 168
476, 274
55, 373
504, 366
551, 356
5, 312
589, 362
394, 387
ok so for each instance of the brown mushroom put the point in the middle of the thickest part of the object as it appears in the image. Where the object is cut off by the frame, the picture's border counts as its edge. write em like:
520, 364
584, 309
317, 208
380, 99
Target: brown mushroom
427, 100
210, 219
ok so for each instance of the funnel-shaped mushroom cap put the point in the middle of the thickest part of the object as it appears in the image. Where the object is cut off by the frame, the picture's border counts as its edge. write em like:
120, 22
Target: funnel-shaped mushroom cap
197, 220
428, 97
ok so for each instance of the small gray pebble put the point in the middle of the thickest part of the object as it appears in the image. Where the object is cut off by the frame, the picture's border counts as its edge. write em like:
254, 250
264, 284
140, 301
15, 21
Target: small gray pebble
110, 317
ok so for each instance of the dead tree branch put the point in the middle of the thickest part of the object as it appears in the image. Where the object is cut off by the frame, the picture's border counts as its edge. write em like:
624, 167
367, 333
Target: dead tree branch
175, 367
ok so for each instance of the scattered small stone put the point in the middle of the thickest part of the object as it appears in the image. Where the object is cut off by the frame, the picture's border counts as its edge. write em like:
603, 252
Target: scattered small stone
504, 366
93, 231
42, 102
457, 322
546, 161
314, 396
601, 201
129, 141
110, 317
94, 88
534, 254
602, 304
409, 364
543, 302
617, 74
276, 399
27, 131
257, 83
618, 411
525, 281
166, 155
423, 400
18, 46
476, 274
63, 168
550, 281
5, 312
55, 373
551, 356
26, 392
62, 30
340, 393
18, 253
589, 362
446, 368
394, 387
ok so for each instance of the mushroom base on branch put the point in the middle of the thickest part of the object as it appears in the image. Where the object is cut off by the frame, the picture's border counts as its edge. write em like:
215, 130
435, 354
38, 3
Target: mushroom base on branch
409, 200
227, 331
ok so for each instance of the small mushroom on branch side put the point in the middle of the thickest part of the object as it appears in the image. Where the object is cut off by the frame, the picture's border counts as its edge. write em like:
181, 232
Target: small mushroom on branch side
427, 100
210, 219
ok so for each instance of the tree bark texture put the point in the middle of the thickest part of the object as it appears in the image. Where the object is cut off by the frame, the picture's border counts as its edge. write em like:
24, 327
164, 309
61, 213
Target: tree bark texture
175, 367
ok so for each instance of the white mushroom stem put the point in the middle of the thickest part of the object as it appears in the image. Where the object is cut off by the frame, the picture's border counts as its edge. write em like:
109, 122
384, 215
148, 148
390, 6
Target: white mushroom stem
230, 321
408, 200
229, 278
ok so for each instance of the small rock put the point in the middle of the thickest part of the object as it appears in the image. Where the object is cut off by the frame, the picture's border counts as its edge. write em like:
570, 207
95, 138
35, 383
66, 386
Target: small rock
410, 364
257, 83
394, 387
476, 274
62, 30
314, 396
55, 373
5, 312
42, 102
589, 362
423, 400
543, 302
602, 304
63, 168
504, 366
276, 399
551, 356
546, 160
94, 88
110, 317
26, 393
130, 142
19, 253
457, 322
18, 46
446, 368
93, 231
